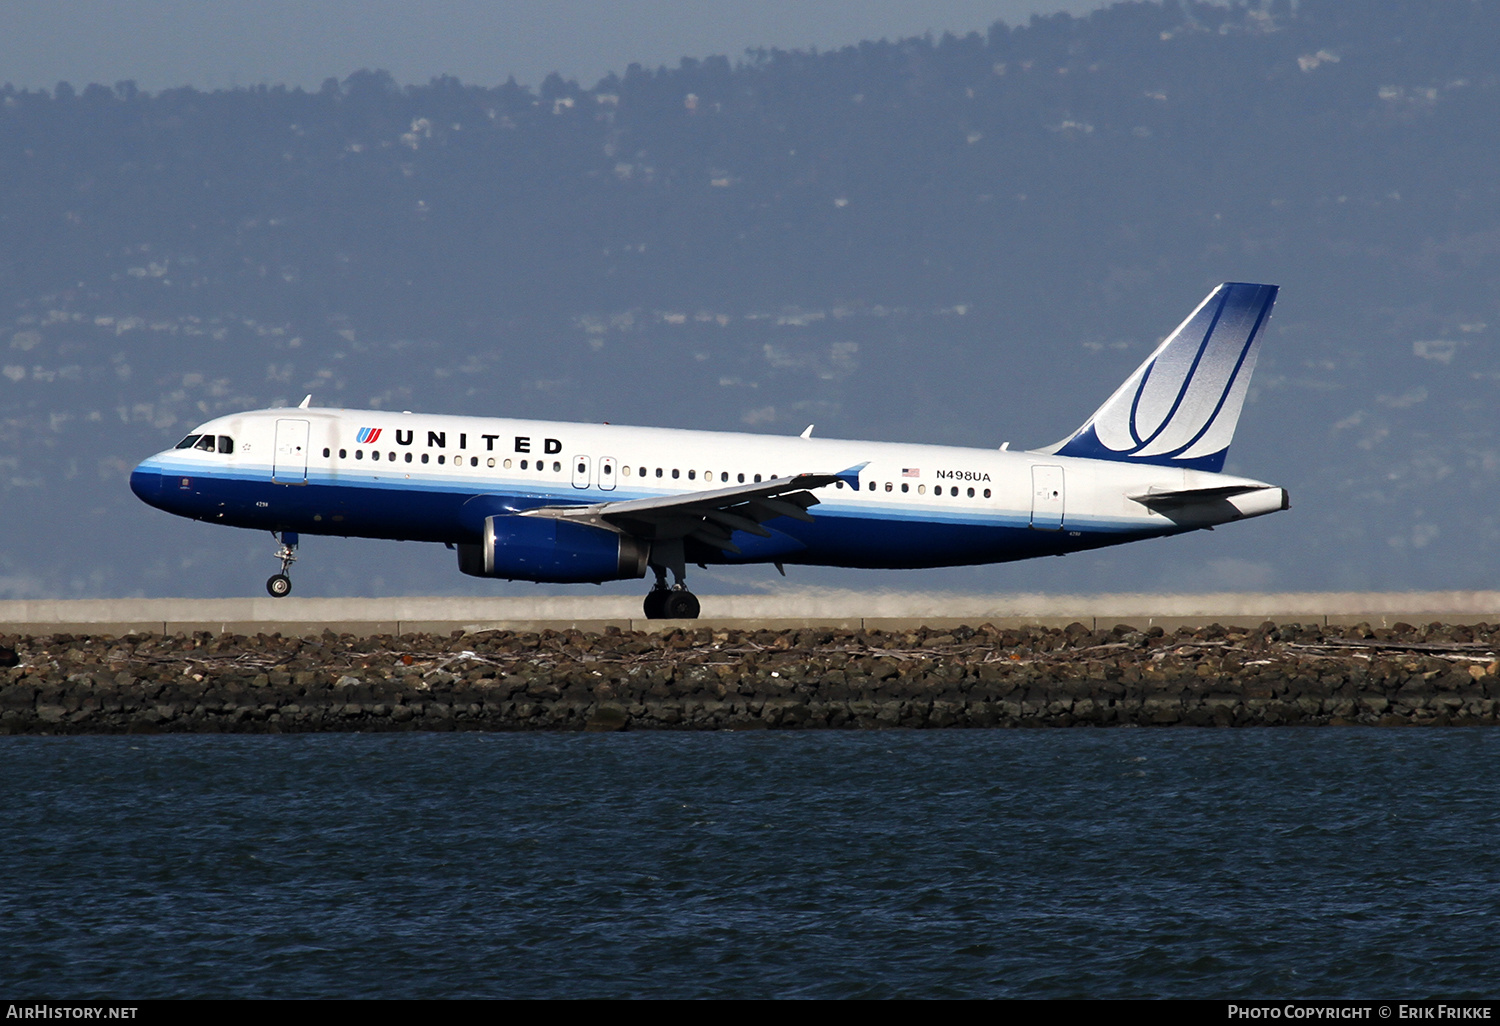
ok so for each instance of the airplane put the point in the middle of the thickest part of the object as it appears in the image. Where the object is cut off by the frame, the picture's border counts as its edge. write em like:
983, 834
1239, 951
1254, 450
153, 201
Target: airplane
573, 503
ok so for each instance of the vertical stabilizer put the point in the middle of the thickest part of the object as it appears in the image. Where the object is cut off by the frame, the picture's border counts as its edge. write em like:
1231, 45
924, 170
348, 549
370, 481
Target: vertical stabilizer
1180, 407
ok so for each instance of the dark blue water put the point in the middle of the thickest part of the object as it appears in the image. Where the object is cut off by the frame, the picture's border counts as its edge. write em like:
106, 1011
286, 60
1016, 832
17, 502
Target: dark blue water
1132, 863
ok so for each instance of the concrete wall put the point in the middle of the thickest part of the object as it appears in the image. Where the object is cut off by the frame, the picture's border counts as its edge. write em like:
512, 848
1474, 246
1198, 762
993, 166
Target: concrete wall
812, 607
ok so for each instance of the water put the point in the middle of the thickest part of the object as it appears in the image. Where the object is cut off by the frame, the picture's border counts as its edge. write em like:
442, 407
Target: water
1125, 863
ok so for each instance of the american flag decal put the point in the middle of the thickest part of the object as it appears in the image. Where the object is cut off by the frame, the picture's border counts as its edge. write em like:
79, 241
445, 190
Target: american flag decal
367, 435
911, 472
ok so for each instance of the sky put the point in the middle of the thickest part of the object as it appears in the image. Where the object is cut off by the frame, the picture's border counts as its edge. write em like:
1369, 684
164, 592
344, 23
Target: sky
210, 44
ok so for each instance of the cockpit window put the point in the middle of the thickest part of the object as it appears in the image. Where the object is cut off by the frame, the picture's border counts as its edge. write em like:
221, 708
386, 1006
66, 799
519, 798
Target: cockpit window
226, 444
206, 443
189, 442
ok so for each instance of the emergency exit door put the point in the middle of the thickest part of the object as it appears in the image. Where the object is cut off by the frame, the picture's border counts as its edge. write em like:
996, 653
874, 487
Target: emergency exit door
580, 471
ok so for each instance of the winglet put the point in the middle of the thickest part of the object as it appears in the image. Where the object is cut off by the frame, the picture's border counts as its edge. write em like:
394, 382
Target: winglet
850, 476
305, 403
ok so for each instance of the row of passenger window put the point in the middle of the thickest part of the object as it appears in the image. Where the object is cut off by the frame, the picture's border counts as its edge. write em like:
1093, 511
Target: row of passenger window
604, 469
937, 490
208, 443
692, 475
442, 459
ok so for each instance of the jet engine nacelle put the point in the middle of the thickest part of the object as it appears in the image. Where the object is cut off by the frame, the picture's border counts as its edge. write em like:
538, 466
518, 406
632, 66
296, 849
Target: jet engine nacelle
554, 551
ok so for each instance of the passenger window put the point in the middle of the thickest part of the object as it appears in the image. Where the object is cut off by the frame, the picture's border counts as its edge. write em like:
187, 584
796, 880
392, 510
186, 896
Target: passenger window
491, 462
374, 454
742, 478
226, 445
658, 472
523, 464
442, 460
971, 493
408, 457
474, 461
692, 475
724, 476
905, 487
424, 457
556, 466
391, 456
986, 493
359, 454
506, 465
675, 474
325, 453
188, 442
953, 491
888, 486
838, 484
343, 453
872, 486
921, 489
757, 479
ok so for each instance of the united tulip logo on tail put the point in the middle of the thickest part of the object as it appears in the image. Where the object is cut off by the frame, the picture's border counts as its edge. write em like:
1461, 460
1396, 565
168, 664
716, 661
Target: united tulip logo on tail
1180, 407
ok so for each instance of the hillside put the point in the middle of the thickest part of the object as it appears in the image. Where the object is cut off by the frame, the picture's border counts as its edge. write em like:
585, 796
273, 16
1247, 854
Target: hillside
957, 240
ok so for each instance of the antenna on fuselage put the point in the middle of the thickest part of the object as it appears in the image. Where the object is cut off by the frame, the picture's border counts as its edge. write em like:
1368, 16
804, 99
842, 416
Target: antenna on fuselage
305, 403
808, 432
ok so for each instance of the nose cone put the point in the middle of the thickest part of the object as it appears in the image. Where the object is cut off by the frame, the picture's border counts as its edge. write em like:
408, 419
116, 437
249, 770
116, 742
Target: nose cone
145, 481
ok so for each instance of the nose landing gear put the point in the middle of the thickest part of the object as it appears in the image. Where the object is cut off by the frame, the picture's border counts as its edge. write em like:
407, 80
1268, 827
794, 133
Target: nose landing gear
280, 585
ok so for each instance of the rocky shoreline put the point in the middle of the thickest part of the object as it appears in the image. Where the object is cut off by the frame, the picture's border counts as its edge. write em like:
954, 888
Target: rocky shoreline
717, 679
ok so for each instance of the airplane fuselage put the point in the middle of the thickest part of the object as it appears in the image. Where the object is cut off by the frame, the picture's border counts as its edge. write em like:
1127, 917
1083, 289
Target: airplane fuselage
408, 476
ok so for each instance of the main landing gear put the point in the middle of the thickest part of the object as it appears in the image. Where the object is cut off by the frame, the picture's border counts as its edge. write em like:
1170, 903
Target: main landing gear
675, 602
280, 585
663, 603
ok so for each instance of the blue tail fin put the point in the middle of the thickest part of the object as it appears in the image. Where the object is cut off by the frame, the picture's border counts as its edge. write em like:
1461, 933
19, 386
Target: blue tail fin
1180, 407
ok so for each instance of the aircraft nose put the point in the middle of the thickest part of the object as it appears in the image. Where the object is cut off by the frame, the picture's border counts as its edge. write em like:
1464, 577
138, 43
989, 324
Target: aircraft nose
145, 481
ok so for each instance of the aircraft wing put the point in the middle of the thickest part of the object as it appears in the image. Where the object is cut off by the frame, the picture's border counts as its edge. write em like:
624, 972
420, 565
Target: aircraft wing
709, 516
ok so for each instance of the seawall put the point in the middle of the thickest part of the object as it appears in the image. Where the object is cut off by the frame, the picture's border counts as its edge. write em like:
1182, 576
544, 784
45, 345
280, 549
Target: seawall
708, 677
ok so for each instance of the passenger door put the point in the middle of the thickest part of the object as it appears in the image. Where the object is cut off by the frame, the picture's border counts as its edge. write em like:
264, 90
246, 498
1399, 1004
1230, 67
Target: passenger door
290, 465
1047, 498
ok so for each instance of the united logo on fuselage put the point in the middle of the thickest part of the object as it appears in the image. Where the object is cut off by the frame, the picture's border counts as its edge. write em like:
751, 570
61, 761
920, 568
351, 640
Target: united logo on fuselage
367, 435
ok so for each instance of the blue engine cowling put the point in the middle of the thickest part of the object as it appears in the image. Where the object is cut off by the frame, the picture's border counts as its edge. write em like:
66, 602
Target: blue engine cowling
552, 551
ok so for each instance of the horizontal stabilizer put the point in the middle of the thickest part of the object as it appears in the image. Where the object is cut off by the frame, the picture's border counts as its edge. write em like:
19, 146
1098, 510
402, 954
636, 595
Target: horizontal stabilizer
1180, 407
1184, 496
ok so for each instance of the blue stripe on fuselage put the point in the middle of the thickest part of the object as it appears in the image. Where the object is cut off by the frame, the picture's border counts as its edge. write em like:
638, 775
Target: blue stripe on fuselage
432, 510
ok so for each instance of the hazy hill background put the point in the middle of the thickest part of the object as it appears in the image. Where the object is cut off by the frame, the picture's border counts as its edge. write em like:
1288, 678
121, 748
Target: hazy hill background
955, 240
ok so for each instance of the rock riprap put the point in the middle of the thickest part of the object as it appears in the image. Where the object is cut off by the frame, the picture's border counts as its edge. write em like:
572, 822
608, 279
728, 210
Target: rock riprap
708, 679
